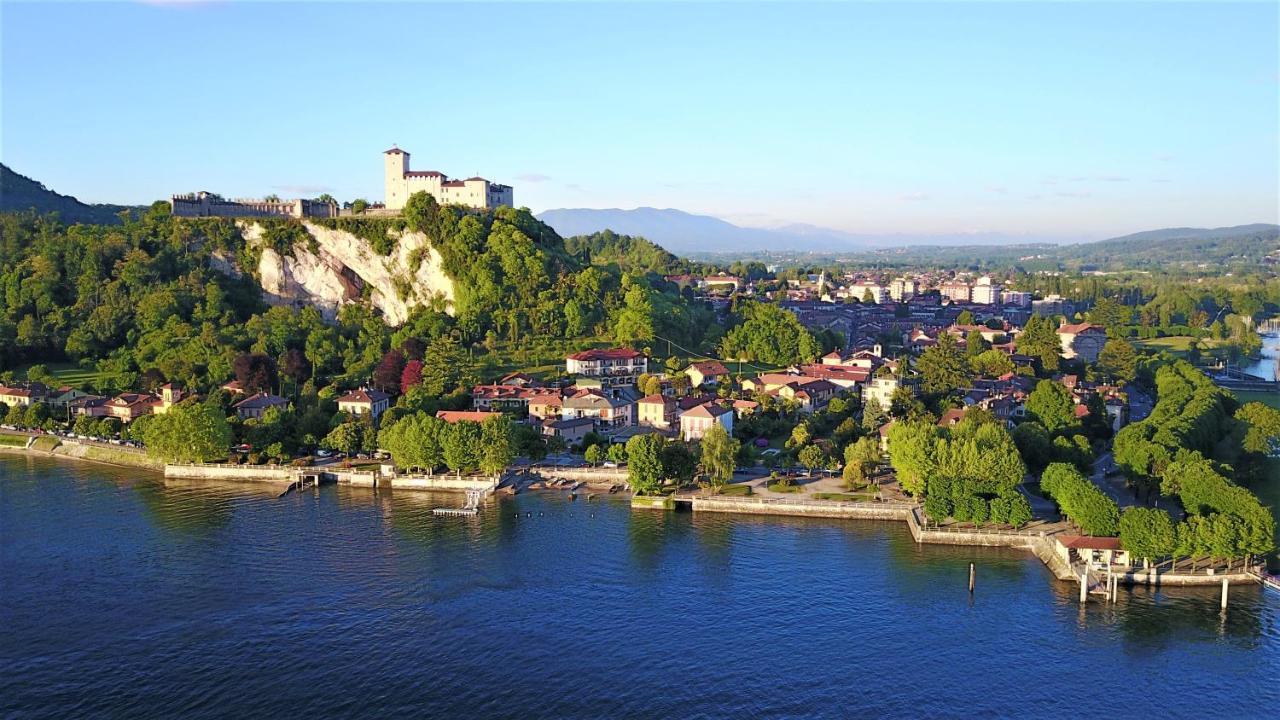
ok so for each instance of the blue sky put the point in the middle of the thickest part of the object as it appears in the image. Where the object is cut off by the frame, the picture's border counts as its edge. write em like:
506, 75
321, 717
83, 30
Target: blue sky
1050, 120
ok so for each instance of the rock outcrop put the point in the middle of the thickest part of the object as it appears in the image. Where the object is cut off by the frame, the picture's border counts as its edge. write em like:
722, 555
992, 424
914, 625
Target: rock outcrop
342, 267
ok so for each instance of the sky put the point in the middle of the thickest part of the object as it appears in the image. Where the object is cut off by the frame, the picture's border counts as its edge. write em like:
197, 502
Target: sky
1044, 120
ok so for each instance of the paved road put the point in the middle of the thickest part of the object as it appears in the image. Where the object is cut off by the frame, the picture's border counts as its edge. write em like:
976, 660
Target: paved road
1111, 481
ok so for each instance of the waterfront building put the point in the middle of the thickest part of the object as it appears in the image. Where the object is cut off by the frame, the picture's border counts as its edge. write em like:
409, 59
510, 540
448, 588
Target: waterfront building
657, 411
696, 422
401, 183
23, 393
130, 405
364, 401
607, 409
572, 430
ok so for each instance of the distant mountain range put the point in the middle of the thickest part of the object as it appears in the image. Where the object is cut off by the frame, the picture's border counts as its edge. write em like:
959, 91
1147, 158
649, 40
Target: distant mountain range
685, 233
19, 193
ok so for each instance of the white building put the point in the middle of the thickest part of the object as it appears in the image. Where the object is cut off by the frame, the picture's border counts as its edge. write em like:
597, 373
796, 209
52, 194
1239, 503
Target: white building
1015, 297
902, 289
956, 291
612, 366
985, 292
696, 422
401, 182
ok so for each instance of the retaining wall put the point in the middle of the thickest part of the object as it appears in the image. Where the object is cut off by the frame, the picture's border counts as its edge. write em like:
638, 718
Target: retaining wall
587, 475
444, 483
810, 508
258, 473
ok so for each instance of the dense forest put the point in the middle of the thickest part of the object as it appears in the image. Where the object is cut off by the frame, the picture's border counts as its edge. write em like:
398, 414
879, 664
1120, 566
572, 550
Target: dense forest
19, 193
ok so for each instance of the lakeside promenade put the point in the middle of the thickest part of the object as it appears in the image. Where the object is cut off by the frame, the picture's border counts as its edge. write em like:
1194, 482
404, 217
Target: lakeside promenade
1041, 537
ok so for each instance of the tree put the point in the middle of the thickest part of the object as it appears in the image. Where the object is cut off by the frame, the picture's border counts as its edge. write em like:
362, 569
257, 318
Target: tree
1050, 404
1080, 500
992, 363
188, 432
769, 334
594, 454
1118, 360
1147, 532
256, 372
359, 205
873, 415
719, 453
1039, 339
459, 443
911, 453
617, 453
496, 447
387, 375
810, 457
943, 368
965, 318
346, 438
411, 376
1262, 425
679, 462
644, 466
859, 459
975, 344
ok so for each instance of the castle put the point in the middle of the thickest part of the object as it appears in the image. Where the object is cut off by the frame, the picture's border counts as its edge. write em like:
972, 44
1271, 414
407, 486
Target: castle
401, 182
207, 204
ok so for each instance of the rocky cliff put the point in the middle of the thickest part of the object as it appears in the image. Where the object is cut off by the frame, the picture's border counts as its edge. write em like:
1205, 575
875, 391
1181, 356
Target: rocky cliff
340, 267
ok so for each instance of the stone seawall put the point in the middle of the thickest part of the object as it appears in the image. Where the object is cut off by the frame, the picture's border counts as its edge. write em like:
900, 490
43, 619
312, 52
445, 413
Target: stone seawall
861, 511
257, 473
587, 475
439, 483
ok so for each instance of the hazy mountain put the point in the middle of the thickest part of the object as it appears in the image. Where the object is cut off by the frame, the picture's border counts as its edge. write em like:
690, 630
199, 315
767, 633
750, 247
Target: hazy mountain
685, 233
19, 192
1239, 245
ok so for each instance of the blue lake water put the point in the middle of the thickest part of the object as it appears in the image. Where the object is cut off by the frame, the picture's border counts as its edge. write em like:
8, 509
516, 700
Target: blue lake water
123, 595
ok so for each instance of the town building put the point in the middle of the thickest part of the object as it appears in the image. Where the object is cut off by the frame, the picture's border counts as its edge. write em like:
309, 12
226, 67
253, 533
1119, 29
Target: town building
1052, 305
1016, 298
254, 406
881, 388
170, 395
207, 204
572, 431
608, 409
985, 292
365, 401
401, 183
955, 291
1082, 340
130, 406
902, 289
696, 422
657, 411
612, 366
23, 393
707, 372
457, 416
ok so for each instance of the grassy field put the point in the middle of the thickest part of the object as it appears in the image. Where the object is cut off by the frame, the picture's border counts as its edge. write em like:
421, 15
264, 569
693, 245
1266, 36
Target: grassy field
1177, 344
736, 490
65, 374
1266, 398
13, 440
45, 444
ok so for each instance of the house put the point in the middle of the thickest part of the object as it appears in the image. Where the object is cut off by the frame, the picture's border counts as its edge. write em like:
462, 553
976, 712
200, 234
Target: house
613, 366
512, 397
63, 396
170, 395
884, 436
23, 393
951, 417
517, 379
546, 405
572, 431
130, 406
842, 376
607, 409
255, 405
456, 416
657, 411
234, 387
1096, 552
365, 400
707, 372
91, 405
1082, 340
742, 408
811, 396
696, 422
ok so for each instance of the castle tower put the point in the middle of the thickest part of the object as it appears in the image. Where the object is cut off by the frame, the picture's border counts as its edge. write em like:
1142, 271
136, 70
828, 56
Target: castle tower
395, 164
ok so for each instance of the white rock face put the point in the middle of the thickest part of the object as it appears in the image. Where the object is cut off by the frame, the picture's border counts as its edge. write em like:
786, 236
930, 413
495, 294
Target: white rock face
345, 266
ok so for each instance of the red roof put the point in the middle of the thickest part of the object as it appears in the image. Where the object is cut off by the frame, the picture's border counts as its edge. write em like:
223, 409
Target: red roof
606, 354
1078, 328
476, 416
1083, 542
708, 410
710, 367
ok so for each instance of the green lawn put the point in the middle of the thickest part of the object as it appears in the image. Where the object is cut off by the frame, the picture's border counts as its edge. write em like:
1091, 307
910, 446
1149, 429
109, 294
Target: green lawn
780, 488
45, 443
65, 373
13, 440
1176, 344
846, 497
736, 490
1266, 398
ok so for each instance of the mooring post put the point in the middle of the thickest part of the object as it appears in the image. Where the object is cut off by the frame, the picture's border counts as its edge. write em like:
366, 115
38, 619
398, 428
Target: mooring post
971, 574
1224, 594
1084, 586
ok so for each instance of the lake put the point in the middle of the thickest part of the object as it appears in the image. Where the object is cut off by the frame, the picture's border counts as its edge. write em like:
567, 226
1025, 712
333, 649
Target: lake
125, 595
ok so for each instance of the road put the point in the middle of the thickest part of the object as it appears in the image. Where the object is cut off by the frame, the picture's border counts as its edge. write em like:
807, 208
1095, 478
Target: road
1110, 481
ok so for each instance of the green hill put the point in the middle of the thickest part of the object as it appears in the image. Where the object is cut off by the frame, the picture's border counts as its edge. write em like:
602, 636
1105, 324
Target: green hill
19, 193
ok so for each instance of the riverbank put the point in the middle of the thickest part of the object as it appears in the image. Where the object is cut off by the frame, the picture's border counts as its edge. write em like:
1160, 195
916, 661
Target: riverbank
51, 446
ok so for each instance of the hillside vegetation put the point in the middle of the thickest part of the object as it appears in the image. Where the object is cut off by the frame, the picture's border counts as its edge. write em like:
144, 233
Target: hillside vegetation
19, 192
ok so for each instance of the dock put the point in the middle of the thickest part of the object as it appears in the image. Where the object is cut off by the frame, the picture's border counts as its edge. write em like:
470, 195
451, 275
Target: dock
470, 509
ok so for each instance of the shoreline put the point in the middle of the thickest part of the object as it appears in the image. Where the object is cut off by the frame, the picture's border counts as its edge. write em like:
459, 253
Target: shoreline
81, 456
